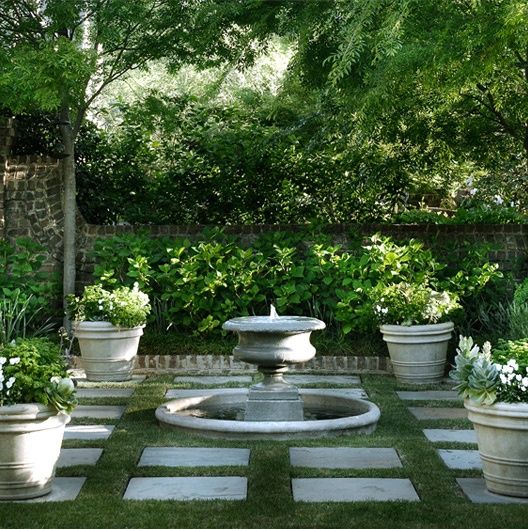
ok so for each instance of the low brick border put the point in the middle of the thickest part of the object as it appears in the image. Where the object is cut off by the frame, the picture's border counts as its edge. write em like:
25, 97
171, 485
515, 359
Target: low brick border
219, 363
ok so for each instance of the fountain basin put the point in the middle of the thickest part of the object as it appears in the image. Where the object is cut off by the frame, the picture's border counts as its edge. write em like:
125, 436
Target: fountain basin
353, 416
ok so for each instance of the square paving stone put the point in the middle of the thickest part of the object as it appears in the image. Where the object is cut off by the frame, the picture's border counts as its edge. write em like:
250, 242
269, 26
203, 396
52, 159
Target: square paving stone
80, 377
353, 489
475, 489
215, 380
104, 392
70, 457
88, 431
64, 489
424, 414
450, 436
428, 395
461, 459
99, 412
193, 457
345, 457
187, 489
338, 380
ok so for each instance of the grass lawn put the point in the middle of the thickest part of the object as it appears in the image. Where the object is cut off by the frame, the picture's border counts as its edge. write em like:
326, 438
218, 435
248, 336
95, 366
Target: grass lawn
269, 503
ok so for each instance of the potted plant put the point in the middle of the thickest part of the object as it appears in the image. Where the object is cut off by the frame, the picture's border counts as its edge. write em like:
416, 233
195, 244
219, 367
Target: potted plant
36, 397
108, 325
494, 385
415, 324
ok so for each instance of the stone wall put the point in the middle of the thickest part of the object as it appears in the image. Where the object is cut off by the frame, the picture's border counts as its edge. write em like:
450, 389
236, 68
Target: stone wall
31, 205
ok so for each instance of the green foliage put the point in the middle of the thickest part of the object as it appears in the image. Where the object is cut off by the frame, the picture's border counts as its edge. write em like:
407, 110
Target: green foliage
123, 307
33, 371
489, 376
27, 293
411, 304
479, 214
475, 375
195, 286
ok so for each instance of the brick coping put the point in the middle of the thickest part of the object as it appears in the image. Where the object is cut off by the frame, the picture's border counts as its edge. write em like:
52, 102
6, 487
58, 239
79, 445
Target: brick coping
221, 363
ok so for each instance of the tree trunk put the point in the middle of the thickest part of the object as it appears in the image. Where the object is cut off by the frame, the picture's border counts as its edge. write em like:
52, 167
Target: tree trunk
68, 175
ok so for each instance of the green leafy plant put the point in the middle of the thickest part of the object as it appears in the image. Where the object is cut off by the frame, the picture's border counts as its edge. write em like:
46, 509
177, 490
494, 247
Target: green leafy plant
32, 370
489, 377
27, 293
411, 304
20, 318
123, 307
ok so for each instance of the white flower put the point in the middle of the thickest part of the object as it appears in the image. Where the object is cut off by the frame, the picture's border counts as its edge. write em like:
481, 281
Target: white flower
513, 364
498, 200
55, 380
503, 379
518, 378
469, 182
3, 360
473, 191
486, 350
14, 360
524, 381
10, 382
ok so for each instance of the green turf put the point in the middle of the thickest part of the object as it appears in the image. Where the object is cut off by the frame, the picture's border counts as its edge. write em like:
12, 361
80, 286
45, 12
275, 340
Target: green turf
269, 503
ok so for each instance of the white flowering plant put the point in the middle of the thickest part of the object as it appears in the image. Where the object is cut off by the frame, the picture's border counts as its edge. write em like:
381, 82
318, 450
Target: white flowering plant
32, 370
411, 304
490, 376
123, 307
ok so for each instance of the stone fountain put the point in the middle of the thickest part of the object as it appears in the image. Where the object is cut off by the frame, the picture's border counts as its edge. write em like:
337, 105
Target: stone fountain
273, 343
274, 408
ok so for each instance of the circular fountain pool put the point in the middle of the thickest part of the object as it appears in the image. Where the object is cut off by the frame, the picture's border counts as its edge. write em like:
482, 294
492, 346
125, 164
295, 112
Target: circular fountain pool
221, 416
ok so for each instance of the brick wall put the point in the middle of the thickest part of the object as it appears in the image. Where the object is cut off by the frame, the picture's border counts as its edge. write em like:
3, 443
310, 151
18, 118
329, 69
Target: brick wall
31, 205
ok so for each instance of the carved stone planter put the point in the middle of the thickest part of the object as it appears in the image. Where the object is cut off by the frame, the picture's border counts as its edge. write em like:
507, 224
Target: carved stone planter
108, 352
418, 352
30, 442
502, 436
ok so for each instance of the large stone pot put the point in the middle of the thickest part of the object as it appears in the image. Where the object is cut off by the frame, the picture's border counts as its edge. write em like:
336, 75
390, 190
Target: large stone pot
502, 436
30, 442
108, 352
418, 352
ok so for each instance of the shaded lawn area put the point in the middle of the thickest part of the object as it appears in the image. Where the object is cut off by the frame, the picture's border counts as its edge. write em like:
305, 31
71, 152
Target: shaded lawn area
269, 503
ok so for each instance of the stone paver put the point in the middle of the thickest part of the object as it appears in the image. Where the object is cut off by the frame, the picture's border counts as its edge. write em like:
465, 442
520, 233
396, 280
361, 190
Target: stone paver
64, 489
80, 377
104, 392
475, 489
353, 489
424, 414
461, 459
450, 436
186, 489
428, 395
98, 412
193, 457
70, 457
338, 380
344, 457
357, 393
88, 431
214, 380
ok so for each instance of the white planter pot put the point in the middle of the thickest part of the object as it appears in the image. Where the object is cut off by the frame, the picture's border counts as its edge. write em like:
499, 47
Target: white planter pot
30, 441
107, 352
502, 436
418, 352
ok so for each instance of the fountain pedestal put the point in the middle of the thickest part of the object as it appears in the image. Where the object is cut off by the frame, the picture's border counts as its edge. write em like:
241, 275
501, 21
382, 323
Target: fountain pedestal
273, 399
273, 343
